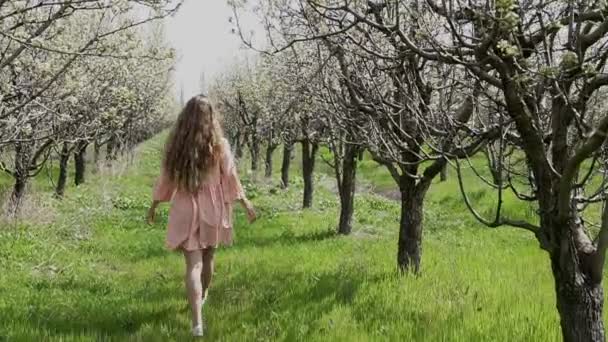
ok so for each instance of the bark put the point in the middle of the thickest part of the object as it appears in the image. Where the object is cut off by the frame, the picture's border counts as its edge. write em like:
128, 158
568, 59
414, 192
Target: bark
409, 251
443, 175
96, 152
17, 195
238, 147
578, 276
287, 155
64, 158
119, 150
80, 163
309, 151
579, 299
21, 176
254, 150
269, 152
347, 187
110, 151
413, 192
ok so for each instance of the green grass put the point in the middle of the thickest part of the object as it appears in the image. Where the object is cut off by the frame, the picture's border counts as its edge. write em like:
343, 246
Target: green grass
97, 272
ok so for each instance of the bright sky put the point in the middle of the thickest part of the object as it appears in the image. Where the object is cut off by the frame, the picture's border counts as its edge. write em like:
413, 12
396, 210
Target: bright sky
201, 34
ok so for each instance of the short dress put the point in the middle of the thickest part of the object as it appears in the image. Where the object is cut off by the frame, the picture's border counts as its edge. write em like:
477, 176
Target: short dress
203, 219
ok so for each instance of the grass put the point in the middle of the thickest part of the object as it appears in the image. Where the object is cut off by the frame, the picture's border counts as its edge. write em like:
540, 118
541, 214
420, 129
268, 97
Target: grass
97, 272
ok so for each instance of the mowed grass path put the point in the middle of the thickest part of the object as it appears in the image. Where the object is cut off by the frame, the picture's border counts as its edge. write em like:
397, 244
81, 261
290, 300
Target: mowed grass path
96, 272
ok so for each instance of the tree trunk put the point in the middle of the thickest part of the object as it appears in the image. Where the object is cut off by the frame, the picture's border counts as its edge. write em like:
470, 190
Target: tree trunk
579, 298
64, 158
269, 152
96, 152
80, 163
254, 149
287, 153
443, 175
119, 150
238, 148
309, 151
17, 195
110, 151
409, 250
21, 176
347, 189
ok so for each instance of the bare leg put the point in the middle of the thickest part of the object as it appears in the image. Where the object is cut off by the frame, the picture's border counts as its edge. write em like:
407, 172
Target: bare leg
207, 273
194, 266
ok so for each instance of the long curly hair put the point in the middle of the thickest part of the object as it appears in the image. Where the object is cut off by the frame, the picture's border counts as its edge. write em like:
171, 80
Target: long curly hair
194, 146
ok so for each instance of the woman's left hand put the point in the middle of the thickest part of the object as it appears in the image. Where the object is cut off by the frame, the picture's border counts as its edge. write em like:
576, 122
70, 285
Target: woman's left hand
251, 214
152, 212
151, 215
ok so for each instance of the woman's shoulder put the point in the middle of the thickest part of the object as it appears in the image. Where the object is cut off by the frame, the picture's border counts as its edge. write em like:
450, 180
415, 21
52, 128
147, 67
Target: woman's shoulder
225, 151
226, 148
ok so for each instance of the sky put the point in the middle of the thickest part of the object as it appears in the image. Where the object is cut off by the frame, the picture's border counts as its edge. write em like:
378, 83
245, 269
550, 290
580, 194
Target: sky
201, 34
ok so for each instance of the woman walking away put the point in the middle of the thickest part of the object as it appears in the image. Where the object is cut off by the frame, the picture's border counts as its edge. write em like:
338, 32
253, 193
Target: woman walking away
199, 177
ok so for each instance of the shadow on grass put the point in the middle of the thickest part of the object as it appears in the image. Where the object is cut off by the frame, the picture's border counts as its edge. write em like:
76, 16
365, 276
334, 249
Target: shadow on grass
101, 309
286, 238
278, 308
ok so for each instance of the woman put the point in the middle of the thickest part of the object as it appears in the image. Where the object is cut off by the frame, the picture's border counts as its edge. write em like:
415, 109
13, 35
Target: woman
200, 179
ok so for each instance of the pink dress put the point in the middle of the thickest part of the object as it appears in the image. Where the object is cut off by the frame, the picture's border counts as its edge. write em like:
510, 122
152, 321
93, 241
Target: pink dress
204, 219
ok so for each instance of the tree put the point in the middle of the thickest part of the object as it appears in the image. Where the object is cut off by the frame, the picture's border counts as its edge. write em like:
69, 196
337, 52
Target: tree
46, 67
548, 95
